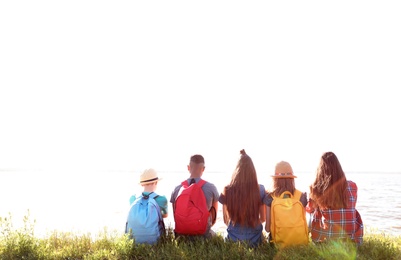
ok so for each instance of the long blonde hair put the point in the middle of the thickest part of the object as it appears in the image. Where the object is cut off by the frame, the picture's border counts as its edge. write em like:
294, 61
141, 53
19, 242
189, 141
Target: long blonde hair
242, 194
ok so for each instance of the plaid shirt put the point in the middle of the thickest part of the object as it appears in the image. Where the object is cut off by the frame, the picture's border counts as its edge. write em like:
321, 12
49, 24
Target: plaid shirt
338, 223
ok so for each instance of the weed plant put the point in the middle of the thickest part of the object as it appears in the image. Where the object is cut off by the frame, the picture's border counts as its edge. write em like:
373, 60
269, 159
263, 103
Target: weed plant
21, 243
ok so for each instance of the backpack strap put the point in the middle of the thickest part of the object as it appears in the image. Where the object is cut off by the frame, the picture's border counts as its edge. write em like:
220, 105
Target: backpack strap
154, 196
285, 193
213, 215
146, 196
184, 184
200, 183
297, 194
150, 195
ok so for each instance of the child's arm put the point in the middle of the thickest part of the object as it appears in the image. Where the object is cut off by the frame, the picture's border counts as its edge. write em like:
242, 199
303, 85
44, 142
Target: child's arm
222, 200
216, 207
310, 207
226, 217
267, 225
163, 204
132, 199
262, 213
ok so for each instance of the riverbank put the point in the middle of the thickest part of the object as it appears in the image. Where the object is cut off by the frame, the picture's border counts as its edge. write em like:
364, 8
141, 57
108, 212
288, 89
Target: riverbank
21, 243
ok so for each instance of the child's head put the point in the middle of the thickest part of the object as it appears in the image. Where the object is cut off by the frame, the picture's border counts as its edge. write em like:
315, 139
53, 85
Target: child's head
245, 171
283, 170
196, 165
283, 178
149, 178
329, 190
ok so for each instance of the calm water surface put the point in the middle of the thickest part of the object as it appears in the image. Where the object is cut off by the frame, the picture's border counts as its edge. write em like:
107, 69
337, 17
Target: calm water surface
88, 201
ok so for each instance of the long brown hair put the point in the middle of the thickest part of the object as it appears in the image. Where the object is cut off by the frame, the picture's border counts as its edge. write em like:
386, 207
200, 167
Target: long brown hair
283, 184
329, 190
242, 194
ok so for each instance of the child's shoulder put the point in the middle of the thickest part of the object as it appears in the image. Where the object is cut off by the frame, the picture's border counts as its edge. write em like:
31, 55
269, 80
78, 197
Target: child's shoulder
160, 197
132, 199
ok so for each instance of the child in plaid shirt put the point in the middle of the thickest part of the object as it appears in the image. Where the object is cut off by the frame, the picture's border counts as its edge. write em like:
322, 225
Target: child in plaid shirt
332, 203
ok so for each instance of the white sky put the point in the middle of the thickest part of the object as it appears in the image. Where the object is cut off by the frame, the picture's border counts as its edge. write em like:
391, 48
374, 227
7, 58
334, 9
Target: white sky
124, 85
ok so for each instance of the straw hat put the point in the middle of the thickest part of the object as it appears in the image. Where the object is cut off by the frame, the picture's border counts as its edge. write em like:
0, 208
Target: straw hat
283, 170
149, 176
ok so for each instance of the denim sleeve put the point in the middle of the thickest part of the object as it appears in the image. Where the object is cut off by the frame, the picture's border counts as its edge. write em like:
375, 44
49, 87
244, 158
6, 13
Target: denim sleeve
268, 200
262, 191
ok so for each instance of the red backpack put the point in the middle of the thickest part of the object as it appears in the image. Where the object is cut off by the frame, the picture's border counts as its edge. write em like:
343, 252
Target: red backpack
190, 212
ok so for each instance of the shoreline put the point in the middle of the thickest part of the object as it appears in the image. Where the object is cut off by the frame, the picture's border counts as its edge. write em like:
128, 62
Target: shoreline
94, 202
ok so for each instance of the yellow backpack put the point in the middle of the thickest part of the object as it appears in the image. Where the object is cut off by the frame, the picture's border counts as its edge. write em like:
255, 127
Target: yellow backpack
288, 224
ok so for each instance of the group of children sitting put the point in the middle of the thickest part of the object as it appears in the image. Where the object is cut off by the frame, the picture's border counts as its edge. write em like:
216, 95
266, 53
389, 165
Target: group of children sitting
247, 205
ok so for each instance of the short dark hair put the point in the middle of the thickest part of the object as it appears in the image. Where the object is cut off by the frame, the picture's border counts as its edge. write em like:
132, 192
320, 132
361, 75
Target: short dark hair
197, 158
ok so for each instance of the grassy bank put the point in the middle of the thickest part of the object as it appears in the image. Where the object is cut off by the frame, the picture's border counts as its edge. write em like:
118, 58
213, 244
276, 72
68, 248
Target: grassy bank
21, 243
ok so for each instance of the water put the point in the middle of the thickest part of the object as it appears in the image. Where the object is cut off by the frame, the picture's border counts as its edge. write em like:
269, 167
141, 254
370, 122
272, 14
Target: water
90, 201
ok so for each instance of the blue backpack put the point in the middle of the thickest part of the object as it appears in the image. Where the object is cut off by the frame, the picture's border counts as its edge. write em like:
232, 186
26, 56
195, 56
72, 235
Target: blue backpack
145, 222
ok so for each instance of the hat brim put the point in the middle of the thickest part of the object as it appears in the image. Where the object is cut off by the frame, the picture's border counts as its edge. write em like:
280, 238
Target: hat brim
284, 176
148, 182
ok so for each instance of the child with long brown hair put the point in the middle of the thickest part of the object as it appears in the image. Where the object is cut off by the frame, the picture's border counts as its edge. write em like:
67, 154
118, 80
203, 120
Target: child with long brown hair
242, 199
332, 203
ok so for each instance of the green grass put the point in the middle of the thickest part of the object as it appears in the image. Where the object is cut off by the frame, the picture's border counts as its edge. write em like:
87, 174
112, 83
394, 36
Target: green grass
21, 243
